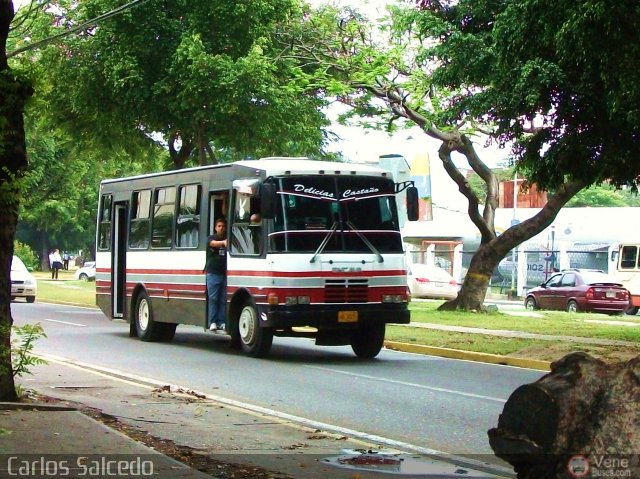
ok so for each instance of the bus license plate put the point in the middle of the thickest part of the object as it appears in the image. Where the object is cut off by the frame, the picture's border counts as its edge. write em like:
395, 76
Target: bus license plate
347, 316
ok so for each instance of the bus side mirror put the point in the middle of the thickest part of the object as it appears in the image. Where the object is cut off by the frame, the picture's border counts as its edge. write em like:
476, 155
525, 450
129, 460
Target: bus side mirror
268, 200
412, 203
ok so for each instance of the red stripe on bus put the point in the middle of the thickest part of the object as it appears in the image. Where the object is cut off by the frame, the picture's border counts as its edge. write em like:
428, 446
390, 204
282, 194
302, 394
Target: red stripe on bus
317, 274
270, 274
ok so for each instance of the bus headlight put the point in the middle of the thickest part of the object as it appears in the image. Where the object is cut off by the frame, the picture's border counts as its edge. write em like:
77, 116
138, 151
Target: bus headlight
393, 298
291, 300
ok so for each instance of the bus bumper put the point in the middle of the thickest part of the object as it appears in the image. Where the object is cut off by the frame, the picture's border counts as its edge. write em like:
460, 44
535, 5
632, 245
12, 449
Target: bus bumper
333, 317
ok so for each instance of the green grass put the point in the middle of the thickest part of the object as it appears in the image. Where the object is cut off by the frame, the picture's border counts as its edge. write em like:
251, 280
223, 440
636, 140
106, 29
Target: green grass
65, 289
551, 322
481, 343
516, 347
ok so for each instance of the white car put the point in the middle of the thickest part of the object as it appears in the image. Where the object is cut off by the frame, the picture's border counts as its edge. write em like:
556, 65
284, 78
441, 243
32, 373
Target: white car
87, 272
23, 284
430, 282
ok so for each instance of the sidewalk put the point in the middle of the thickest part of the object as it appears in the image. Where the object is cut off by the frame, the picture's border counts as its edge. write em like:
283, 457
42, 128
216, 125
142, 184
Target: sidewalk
236, 442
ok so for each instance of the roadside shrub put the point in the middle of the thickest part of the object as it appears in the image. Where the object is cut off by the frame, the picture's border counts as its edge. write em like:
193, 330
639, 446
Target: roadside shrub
26, 254
22, 345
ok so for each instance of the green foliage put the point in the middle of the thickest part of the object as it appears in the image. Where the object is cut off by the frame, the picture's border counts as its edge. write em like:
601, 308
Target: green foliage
22, 347
479, 186
26, 254
604, 195
542, 73
208, 78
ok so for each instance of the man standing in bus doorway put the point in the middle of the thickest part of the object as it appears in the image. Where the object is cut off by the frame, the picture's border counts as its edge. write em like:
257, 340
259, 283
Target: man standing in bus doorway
216, 268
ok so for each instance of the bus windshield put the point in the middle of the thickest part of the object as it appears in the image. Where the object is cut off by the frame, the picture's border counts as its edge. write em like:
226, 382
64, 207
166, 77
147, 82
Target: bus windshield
353, 214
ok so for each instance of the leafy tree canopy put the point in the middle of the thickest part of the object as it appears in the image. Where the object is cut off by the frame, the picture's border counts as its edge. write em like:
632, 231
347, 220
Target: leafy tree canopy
559, 78
207, 77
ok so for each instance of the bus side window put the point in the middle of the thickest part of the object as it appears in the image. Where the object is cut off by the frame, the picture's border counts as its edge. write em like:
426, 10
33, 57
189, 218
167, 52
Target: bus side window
104, 236
629, 257
188, 221
163, 212
139, 224
246, 231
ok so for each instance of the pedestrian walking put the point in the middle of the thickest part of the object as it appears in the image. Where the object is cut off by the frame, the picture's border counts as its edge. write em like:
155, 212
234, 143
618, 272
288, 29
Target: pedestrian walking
55, 263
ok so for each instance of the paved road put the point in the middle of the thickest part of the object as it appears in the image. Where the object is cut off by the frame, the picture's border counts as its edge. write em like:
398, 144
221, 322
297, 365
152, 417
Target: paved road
421, 401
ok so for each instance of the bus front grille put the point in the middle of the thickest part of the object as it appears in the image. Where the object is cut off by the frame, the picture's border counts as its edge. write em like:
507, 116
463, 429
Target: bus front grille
346, 291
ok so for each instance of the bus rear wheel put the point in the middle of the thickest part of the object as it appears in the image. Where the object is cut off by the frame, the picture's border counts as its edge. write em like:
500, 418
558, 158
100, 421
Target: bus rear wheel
148, 329
255, 340
367, 340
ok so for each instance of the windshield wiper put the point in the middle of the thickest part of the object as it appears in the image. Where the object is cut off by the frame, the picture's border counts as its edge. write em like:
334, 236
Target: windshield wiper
324, 242
366, 241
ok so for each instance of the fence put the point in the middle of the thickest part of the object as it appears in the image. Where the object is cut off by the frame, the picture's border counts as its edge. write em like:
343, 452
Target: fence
522, 269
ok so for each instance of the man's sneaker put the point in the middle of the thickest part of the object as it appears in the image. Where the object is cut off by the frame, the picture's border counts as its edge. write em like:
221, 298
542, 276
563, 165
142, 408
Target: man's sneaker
220, 328
213, 327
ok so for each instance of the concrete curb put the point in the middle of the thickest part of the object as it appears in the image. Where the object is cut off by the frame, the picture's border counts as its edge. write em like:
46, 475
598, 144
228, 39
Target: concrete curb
469, 355
25, 406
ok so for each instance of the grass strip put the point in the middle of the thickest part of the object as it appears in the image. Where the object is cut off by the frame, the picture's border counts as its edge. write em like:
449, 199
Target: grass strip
589, 325
65, 289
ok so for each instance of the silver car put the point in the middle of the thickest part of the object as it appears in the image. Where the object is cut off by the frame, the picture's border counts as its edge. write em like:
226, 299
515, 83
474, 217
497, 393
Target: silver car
23, 284
87, 272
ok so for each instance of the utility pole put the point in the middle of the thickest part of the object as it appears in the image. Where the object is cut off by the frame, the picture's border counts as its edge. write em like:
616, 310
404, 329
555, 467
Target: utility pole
514, 222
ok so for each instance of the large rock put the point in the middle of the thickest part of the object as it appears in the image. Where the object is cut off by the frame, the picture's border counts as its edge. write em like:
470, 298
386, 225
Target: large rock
580, 420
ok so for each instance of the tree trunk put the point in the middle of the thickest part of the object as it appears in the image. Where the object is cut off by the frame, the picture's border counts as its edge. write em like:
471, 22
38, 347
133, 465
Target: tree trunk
13, 162
583, 415
44, 251
476, 281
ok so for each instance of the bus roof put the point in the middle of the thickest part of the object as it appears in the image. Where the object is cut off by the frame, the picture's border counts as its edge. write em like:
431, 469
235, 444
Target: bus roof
278, 166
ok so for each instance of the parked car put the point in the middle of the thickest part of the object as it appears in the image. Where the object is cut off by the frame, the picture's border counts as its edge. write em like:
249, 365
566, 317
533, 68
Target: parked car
23, 284
87, 272
426, 281
579, 290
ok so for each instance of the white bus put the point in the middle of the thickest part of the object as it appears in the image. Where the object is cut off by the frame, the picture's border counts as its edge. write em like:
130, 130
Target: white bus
627, 271
326, 261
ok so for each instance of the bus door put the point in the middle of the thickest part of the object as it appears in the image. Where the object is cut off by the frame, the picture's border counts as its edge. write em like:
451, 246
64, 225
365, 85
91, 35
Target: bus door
218, 203
217, 209
118, 266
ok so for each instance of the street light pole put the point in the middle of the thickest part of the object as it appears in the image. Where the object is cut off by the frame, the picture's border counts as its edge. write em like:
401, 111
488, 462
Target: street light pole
553, 253
514, 222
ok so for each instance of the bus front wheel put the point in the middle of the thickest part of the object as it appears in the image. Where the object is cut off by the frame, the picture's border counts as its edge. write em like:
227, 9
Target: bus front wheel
367, 340
254, 340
